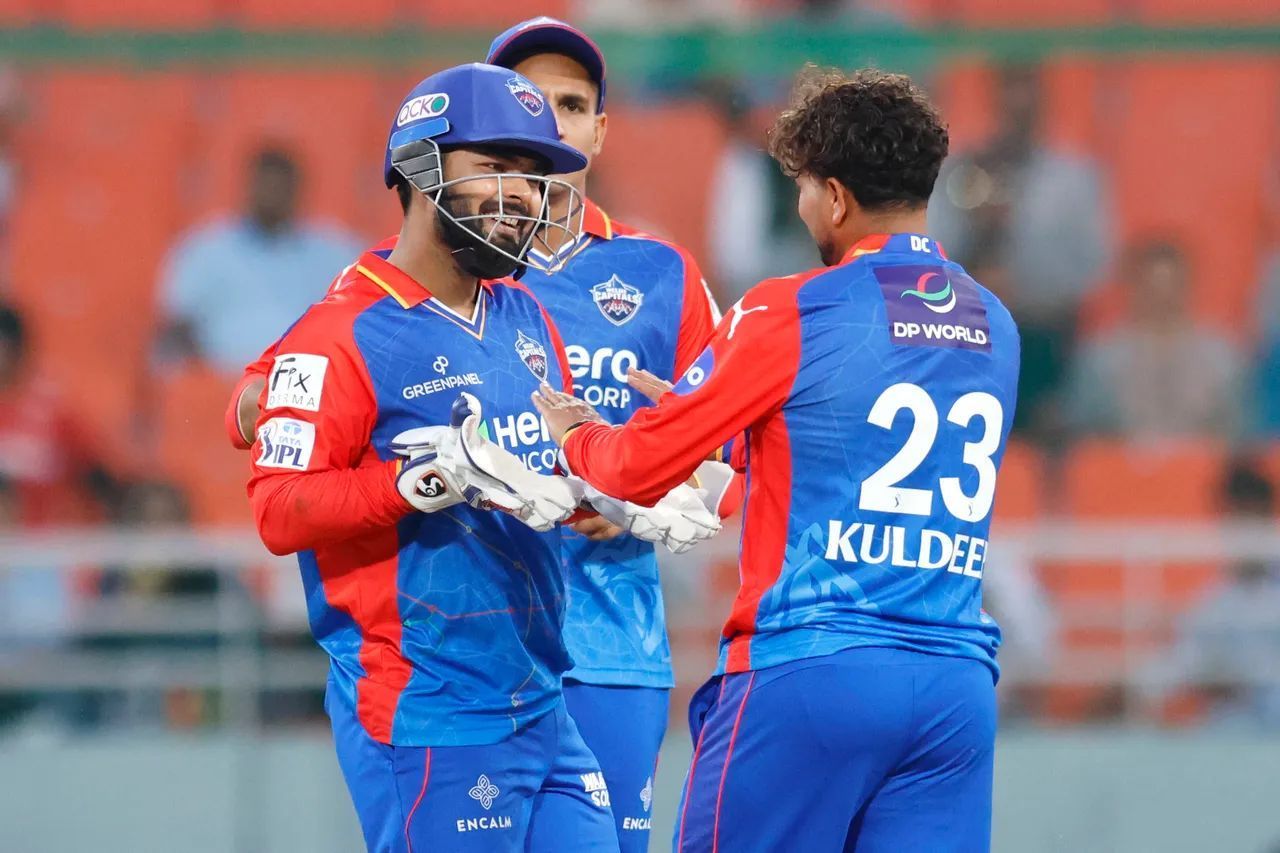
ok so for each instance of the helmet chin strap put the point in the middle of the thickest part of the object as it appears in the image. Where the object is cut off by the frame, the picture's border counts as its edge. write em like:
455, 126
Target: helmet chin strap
471, 252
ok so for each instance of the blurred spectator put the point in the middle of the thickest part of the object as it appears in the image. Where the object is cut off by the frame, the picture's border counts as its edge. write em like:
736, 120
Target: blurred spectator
753, 232
1267, 367
48, 455
1228, 646
1039, 214
1161, 374
231, 287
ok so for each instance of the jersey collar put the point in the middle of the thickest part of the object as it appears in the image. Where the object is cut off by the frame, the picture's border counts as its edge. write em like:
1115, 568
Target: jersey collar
873, 243
395, 281
596, 222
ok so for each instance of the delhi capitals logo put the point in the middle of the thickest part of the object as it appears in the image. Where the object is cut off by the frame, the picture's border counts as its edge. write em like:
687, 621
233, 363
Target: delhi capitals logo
939, 302
617, 300
527, 94
533, 355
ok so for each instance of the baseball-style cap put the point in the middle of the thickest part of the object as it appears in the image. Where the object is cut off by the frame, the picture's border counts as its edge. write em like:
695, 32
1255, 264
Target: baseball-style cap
479, 105
549, 35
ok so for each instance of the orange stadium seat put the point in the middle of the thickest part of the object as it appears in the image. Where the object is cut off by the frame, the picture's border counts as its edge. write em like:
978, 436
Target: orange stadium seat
335, 123
192, 446
1218, 13
322, 14
134, 14
1117, 482
17, 13
99, 208
1023, 13
1020, 486
450, 13
1195, 174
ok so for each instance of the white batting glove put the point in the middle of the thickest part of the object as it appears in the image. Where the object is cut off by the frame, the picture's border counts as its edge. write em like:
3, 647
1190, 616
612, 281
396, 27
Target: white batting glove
500, 480
679, 521
426, 481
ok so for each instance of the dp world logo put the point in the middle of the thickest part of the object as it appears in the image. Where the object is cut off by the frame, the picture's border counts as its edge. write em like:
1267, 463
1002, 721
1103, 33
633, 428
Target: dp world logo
939, 301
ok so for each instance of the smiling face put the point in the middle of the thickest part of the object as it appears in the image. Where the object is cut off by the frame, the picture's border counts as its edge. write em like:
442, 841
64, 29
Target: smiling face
491, 182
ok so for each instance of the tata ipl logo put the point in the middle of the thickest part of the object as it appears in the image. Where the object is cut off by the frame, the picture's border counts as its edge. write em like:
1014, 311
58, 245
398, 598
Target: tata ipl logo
939, 302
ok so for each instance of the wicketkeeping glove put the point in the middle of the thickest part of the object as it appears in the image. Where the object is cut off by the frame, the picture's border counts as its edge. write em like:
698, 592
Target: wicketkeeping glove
426, 481
679, 521
499, 479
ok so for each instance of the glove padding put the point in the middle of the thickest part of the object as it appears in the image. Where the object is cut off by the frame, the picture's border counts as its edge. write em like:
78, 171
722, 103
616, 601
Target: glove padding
427, 480
499, 480
679, 521
714, 480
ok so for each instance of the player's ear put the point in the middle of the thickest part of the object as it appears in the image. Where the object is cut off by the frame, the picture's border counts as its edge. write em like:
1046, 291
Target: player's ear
597, 141
838, 198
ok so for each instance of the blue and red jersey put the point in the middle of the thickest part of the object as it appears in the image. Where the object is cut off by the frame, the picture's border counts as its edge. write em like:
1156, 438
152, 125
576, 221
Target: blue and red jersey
873, 401
622, 299
442, 629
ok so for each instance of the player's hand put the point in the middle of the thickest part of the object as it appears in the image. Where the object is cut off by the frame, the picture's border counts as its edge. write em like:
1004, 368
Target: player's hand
679, 521
496, 479
426, 480
647, 384
597, 528
562, 411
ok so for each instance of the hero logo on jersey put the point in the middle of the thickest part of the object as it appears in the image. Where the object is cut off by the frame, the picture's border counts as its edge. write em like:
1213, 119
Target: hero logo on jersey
527, 95
296, 382
533, 354
617, 300
286, 443
930, 306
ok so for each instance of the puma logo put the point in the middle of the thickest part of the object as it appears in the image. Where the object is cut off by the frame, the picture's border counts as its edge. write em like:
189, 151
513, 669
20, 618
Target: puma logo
738, 313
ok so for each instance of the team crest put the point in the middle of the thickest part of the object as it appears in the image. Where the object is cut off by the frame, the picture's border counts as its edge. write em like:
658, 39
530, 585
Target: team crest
527, 94
533, 355
617, 300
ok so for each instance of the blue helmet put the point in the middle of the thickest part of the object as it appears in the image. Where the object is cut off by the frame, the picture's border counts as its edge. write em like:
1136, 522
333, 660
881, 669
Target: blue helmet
484, 105
477, 104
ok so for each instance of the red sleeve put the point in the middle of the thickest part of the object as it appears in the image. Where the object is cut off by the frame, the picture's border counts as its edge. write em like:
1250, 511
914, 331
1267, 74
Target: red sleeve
698, 316
727, 389
254, 371
316, 480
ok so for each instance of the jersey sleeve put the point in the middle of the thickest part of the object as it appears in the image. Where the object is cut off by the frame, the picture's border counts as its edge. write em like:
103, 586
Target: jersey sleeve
728, 388
315, 479
698, 315
231, 420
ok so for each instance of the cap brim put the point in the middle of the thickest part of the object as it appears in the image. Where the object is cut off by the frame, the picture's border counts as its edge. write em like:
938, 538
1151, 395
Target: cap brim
550, 38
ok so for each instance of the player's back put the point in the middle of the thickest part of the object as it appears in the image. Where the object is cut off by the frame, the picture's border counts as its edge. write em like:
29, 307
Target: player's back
885, 453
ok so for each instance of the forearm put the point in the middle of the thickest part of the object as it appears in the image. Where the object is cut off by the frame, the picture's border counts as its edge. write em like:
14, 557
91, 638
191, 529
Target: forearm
299, 512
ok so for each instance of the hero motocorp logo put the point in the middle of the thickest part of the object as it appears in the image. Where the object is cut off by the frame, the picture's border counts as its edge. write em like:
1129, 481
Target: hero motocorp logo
930, 306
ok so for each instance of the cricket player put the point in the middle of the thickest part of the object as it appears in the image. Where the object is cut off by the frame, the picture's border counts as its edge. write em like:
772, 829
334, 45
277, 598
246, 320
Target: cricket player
442, 618
869, 402
622, 299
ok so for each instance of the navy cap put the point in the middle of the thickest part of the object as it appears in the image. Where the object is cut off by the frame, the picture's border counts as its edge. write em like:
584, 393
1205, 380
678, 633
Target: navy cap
480, 104
549, 35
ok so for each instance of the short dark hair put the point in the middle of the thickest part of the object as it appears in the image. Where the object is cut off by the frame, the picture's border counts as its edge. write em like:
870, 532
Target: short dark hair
404, 192
875, 132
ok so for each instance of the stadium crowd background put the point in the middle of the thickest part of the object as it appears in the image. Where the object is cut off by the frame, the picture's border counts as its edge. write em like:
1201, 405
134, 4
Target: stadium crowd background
179, 180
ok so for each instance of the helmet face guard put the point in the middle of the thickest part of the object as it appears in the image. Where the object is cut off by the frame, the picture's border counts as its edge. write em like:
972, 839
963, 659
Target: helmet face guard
421, 164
